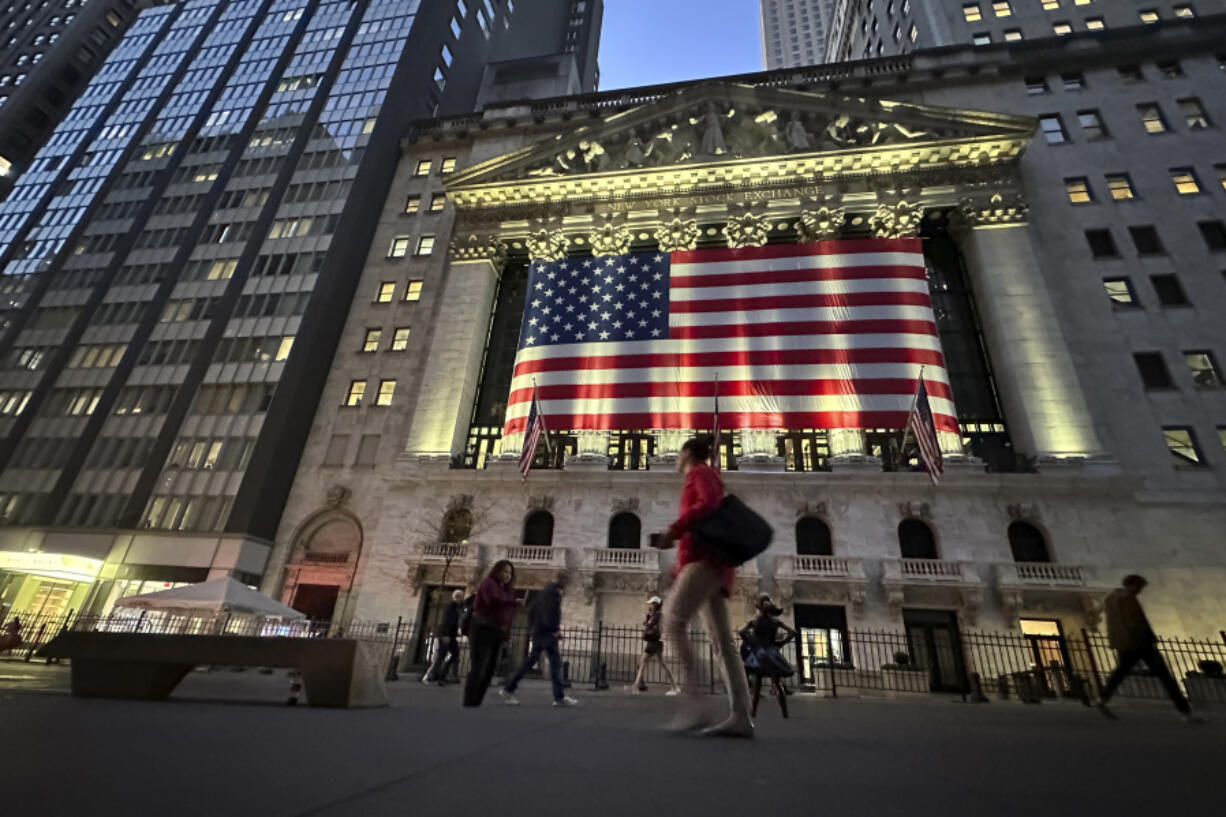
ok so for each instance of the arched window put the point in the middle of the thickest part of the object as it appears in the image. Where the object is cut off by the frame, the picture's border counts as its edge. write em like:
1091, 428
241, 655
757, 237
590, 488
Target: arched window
625, 531
915, 540
1027, 543
538, 528
457, 525
813, 537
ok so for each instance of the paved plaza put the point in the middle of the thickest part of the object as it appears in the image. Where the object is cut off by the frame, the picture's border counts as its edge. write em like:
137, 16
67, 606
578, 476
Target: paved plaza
227, 745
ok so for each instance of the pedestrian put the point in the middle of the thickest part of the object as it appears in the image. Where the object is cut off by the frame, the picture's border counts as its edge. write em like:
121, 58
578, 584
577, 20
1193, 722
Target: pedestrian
653, 648
763, 658
11, 639
1129, 634
447, 643
701, 586
493, 611
545, 620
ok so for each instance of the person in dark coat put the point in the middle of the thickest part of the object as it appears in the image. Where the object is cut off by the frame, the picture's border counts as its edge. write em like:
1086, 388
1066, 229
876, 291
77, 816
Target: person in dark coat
545, 618
493, 611
762, 656
447, 646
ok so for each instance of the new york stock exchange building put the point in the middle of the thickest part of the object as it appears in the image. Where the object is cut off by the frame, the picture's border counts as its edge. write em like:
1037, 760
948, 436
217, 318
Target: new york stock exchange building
973, 193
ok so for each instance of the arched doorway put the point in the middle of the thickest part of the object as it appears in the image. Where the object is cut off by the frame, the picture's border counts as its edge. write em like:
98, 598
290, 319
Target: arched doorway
324, 560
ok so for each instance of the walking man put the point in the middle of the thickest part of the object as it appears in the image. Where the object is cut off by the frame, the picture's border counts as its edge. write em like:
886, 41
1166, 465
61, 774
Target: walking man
447, 647
700, 587
545, 618
1129, 633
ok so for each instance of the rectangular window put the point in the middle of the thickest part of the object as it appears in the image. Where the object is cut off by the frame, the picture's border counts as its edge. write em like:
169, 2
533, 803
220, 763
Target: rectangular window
425, 245
371, 342
1130, 73
1013, 35
1169, 69
1185, 12
1095, 24
413, 291
1092, 127
357, 390
1148, 16
1152, 118
982, 38
368, 448
337, 446
1050, 5
1205, 373
1146, 240
1002, 8
412, 204
1061, 29
1053, 129
423, 168
1120, 186
1221, 436
1153, 371
1185, 181
400, 339
1169, 290
1073, 82
448, 165
1214, 233
1102, 245
387, 291
1120, 291
399, 247
1221, 175
437, 202
1193, 113
387, 390
1078, 190
971, 12
1036, 86
1181, 442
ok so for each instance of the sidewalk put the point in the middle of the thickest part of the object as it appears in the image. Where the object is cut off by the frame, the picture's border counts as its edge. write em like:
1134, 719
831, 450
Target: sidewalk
427, 756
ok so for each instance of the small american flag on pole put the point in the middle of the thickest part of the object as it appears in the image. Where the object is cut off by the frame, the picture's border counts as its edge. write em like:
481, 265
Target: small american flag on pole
921, 424
536, 427
716, 459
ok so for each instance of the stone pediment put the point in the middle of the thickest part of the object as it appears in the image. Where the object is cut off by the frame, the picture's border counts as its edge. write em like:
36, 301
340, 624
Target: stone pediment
723, 125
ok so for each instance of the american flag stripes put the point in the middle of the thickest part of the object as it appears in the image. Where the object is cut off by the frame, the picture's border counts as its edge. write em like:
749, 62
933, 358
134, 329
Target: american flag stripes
921, 425
828, 334
536, 427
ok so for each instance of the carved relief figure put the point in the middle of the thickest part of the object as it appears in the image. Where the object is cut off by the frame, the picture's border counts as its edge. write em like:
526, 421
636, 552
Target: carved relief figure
711, 124
795, 136
636, 152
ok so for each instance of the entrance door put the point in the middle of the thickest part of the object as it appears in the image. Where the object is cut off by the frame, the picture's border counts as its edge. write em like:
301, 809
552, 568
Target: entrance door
316, 601
1049, 652
932, 636
822, 630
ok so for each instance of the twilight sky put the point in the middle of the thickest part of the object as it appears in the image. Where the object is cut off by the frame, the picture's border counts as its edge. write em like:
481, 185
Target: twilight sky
649, 41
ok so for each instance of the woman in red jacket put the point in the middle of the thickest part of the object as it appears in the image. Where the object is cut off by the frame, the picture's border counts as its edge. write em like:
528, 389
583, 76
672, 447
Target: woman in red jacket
701, 585
493, 612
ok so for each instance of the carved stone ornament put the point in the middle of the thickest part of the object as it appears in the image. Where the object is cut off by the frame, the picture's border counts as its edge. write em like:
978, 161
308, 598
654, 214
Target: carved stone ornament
972, 600
812, 509
1011, 602
460, 501
997, 209
1092, 607
678, 235
630, 503
897, 220
747, 230
540, 503
821, 223
919, 510
894, 600
610, 239
1022, 513
475, 247
546, 245
338, 495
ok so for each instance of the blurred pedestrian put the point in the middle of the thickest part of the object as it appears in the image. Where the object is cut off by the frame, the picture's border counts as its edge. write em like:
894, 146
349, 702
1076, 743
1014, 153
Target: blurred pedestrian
763, 658
11, 639
1130, 635
702, 583
493, 611
653, 648
447, 643
545, 620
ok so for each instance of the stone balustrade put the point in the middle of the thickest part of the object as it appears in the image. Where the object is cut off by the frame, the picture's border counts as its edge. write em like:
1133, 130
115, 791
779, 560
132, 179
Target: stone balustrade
623, 559
928, 571
1042, 574
797, 566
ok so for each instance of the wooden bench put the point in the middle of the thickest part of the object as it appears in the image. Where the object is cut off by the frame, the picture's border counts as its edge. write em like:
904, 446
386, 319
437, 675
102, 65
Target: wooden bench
336, 672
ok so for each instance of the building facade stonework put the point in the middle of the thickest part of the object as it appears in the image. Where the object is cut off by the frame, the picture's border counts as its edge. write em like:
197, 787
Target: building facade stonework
1068, 472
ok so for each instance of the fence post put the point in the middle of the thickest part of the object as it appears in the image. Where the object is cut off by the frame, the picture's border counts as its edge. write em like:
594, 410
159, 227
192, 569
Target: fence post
834, 689
711, 662
595, 659
1098, 683
1222, 633
392, 674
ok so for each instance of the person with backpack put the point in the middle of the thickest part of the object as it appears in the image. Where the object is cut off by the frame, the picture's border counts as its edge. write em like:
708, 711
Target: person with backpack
489, 627
653, 647
702, 583
545, 619
447, 643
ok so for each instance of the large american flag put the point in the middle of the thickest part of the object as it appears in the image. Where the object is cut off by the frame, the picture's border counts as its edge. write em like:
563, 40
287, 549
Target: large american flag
921, 425
830, 334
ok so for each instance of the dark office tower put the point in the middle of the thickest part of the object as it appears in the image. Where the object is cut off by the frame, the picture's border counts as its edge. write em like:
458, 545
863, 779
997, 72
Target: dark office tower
48, 51
179, 260
555, 55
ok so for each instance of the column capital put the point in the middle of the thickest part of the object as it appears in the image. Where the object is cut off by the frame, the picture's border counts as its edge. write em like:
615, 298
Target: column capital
479, 247
821, 222
897, 220
993, 210
610, 238
546, 245
747, 230
678, 235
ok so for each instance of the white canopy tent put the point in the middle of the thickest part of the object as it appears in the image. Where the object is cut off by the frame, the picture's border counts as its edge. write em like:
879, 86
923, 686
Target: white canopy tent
212, 598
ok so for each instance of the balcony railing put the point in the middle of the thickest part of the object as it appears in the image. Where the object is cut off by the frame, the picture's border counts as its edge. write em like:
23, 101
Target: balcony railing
326, 558
819, 567
1041, 574
928, 571
448, 552
531, 555
622, 559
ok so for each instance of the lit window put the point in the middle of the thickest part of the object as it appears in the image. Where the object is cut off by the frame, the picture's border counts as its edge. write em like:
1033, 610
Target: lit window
1181, 442
423, 168
1095, 24
972, 13
440, 79
1051, 5
1053, 129
448, 165
1185, 181
413, 292
1205, 373
412, 204
284, 347
1036, 86
437, 202
1184, 12
425, 245
1001, 8
1193, 113
1073, 82
1221, 175
1078, 190
1152, 369
1013, 35
982, 38
387, 290
1149, 16
400, 339
446, 56
1120, 291
1120, 186
1169, 290
1060, 29
1092, 127
399, 247
357, 390
1152, 118
371, 344
387, 389
913, 33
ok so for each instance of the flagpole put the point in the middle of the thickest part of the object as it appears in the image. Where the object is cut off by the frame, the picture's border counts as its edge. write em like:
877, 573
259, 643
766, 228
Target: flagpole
911, 413
717, 460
